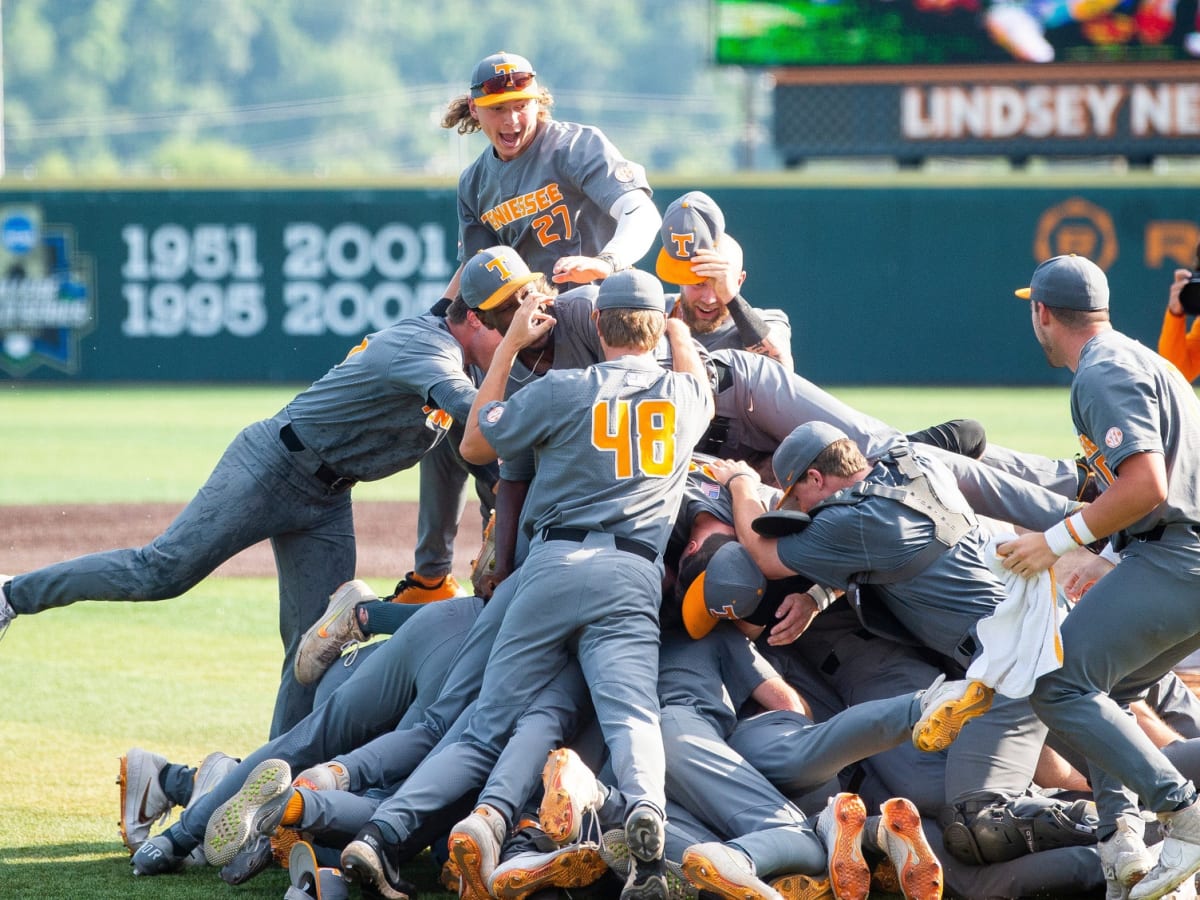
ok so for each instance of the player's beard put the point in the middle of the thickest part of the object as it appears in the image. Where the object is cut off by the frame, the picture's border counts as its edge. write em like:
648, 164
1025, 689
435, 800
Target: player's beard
699, 325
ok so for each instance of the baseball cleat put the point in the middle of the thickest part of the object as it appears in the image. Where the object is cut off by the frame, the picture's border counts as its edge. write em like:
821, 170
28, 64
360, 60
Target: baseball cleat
840, 826
255, 857
156, 856
726, 872
901, 837
143, 802
945, 708
414, 588
257, 808
371, 860
1178, 856
208, 775
333, 633
645, 832
475, 847
614, 850
572, 866
310, 879
569, 790
324, 777
803, 887
1124, 858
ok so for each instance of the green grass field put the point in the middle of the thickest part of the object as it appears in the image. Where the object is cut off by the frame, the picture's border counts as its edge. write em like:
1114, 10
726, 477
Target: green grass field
82, 684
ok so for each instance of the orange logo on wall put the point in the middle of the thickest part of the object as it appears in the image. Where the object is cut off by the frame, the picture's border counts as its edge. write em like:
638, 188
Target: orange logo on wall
1076, 226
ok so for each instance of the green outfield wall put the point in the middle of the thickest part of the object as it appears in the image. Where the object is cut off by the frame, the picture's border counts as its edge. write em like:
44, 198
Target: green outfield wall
903, 282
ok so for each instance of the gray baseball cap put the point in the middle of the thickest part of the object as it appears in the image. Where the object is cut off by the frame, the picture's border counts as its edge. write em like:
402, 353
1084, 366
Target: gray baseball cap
502, 77
730, 587
493, 275
1068, 282
631, 289
693, 222
796, 452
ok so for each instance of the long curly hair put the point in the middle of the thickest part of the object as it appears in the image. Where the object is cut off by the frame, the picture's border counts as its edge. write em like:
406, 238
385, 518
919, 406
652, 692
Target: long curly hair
458, 112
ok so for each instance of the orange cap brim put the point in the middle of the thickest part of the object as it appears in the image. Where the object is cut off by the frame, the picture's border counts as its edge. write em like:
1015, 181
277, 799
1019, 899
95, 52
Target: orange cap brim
696, 618
507, 290
1023, 293
532, 92
675, 271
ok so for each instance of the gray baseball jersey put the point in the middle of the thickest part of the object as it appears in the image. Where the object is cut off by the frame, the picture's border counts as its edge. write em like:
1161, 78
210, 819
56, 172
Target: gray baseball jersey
607, 439
1124, 401
380, 410
1143, 616
549, 202
759, 403
715, 675
941, 603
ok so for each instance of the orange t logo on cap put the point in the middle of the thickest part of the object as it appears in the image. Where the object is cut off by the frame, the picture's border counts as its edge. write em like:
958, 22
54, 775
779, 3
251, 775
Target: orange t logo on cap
505, 68
682, 243
498, 266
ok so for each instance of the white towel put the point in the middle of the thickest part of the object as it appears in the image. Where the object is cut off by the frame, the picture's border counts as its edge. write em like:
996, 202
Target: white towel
1020, 640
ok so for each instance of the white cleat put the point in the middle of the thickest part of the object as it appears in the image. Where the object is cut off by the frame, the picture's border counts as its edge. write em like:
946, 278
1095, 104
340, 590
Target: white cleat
143, 802
1179, 857
569, 791
335, 631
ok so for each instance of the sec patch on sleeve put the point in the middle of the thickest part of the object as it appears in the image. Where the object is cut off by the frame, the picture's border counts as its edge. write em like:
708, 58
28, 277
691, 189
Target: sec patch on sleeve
1113, 438
493, 415
624, 172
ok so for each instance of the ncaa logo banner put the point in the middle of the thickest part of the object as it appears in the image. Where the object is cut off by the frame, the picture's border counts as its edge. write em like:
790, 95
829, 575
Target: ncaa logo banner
46, 294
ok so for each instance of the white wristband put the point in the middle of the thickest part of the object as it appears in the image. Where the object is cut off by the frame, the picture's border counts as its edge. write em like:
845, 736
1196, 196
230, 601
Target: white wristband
1059, 538
822, 596
1079, 529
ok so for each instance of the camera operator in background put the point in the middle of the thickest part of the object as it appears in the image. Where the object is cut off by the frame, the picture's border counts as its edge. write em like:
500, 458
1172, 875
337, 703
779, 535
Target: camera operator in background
1176, 342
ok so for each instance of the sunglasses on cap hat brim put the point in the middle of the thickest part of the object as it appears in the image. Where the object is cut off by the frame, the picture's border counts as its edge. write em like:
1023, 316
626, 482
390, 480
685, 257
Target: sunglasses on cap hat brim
504, 87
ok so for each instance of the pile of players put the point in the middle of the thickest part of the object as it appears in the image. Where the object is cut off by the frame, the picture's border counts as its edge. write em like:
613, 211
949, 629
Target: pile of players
731, 635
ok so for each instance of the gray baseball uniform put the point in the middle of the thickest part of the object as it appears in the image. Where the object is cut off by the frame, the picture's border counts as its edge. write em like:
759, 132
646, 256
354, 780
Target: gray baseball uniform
612, 442
553, 200
939, 606
288, 479
1143, 616
759, 403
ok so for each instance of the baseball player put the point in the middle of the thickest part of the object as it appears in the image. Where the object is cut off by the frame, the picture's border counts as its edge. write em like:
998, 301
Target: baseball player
705, 262
1138, 421
612, 443
289, 479
572, 207
406, 671
559, 193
